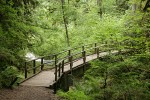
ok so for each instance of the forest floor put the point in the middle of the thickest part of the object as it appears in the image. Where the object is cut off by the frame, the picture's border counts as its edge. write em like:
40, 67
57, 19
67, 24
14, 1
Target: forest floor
27, 93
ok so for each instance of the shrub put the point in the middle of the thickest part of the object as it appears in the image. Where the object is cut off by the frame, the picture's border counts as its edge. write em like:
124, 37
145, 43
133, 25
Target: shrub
73, 95
9, 76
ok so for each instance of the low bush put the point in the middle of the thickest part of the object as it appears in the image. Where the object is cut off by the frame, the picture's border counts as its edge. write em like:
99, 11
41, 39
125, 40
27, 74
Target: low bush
9, 77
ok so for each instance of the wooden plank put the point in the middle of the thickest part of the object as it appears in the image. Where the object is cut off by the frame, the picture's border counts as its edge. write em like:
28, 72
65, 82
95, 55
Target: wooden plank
47, 78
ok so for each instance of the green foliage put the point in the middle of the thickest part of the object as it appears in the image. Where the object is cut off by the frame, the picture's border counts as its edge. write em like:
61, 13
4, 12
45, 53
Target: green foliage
83, 22
38, 26
16, 32
8, 76
119, 25
136, 30
73, 95
116, 78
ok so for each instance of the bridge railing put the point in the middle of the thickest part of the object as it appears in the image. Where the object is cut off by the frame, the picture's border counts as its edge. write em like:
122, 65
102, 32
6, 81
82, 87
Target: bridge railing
35, 66
59, 60
72, 57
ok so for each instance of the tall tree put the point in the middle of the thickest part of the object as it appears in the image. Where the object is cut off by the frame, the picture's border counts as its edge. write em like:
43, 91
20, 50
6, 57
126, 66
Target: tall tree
65, 21
99, 3
15, 31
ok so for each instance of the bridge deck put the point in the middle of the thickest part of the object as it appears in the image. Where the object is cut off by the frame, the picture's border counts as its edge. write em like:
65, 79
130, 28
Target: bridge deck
46, 78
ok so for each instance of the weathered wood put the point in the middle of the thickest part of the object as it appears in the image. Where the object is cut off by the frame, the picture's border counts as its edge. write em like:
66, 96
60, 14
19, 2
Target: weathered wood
62, 66
55, 72
47, 78
84, 59
42, 64
95, 47
97, 52
55, 67
59, 66
25, 70
69, 54
71, 62
65, 82
34, 69
83, 56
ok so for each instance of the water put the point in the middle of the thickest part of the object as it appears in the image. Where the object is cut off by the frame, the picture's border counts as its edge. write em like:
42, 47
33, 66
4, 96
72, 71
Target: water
31, 56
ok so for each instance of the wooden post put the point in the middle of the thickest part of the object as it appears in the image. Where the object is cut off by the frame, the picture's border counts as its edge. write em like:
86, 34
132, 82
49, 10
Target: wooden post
69, 53
62, 66
25, 70
83, 48
84, 59
42, 64
97, 52
95, 48
65, 82
55, 67
83, 53
55, 88
59, 66
34, 69
55, 72
71, 64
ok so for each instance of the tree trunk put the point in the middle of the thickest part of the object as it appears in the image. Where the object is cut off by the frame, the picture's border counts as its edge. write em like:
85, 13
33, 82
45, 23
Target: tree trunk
99, 3
146, 5
65, 22
134, 6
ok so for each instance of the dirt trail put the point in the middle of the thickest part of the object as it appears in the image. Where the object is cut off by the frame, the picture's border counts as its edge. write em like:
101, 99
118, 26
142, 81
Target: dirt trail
27, 93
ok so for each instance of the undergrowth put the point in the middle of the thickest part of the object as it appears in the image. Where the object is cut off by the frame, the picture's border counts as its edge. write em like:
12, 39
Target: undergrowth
114, 78
9, 77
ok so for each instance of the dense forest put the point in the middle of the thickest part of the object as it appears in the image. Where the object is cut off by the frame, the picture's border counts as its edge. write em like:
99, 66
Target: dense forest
45, 27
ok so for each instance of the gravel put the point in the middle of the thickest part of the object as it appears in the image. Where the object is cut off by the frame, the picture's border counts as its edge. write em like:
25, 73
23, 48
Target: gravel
27, 93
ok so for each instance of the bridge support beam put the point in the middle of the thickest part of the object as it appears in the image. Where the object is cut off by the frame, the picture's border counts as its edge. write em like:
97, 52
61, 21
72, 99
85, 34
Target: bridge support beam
66, 79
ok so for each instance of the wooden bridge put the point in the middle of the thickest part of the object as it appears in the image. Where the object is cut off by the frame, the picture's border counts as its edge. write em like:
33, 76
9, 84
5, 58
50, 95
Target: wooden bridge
46, 71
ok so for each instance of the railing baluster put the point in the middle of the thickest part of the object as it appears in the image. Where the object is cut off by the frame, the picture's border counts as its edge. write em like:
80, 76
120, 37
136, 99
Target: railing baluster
95, 48
26, 73
69, 54
83, 48
97, 52
71, 63
84, 59
42, 64
34, 69
55, 72
62, 66
59, 66
55, 67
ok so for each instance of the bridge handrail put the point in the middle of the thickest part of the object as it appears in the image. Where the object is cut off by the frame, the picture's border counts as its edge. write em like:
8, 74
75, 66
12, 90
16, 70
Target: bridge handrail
83, 52
69, 57
73, 48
